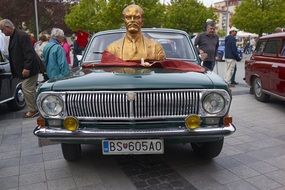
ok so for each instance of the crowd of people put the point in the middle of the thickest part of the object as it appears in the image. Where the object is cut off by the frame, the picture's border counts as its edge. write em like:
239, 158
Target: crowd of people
27, 57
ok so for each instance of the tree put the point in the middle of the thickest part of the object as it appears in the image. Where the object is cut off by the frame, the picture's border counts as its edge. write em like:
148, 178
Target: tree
259, 16
188, 15
50, 13
100, 15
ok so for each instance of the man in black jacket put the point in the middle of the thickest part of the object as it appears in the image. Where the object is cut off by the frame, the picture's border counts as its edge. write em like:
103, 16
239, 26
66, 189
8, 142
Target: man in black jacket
231, 54
23, 62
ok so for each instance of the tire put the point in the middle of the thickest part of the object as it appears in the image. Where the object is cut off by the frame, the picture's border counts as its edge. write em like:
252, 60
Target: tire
18, 102
257, 91
208, 150
71, 152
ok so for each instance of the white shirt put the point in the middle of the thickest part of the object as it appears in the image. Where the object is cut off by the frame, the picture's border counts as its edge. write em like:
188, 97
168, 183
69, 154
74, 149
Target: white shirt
4, 43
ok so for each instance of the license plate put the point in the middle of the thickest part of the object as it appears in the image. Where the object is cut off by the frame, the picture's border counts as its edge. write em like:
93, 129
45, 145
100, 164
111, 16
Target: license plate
137, 146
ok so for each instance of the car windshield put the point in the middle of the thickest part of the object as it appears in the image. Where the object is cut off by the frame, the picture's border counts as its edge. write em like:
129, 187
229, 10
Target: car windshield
176, 45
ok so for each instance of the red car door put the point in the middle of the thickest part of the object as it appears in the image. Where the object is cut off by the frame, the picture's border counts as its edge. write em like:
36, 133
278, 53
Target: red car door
278, 73
262, 63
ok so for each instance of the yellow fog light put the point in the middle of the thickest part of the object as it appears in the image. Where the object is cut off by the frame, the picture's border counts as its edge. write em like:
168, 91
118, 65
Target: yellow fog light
193, 121
70, 123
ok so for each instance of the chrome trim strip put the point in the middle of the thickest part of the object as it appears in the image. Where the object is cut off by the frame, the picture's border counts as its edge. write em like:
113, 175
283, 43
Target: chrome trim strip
92, 134
273, 94
7, 100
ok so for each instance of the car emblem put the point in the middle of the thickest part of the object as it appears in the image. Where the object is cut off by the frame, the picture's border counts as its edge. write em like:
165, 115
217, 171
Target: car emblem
131, 96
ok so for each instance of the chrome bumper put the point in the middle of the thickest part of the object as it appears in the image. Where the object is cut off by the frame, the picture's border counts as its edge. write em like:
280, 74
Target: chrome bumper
94, 134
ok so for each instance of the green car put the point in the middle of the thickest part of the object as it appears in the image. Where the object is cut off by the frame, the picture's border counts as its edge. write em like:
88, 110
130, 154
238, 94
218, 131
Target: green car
135, 109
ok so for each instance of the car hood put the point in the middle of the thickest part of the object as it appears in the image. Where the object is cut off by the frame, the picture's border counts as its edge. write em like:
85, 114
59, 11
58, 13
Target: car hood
117, 78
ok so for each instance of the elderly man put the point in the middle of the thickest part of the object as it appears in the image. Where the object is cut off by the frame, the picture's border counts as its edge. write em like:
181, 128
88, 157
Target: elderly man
208, 43
231, 55
54, 56
134, 46
23, 62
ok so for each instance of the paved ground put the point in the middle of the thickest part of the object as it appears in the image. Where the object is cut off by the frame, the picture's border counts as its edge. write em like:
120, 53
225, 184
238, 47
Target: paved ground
252, 158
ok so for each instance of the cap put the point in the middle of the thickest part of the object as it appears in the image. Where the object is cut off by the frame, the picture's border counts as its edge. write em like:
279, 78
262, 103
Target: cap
209, 20
233, 29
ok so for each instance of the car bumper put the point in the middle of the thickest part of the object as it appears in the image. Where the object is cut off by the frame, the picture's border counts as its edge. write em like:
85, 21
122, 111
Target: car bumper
59, 134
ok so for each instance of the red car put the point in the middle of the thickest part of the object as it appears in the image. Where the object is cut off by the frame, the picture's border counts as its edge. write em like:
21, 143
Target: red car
265, 71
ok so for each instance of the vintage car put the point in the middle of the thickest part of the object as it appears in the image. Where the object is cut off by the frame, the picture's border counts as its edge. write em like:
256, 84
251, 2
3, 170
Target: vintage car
135, 109
10, 87
265, 71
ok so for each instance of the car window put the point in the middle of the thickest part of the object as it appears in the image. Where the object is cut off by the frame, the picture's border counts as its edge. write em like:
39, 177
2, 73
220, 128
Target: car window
282, 53
260, 47
176, 45
272, 47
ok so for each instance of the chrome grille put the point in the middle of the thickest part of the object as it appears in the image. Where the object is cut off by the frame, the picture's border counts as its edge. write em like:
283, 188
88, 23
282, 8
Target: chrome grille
132, 105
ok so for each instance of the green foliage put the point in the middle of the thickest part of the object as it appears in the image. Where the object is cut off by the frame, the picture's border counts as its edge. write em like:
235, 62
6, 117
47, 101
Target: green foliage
188, 15
259, 16
97, 15
221, 33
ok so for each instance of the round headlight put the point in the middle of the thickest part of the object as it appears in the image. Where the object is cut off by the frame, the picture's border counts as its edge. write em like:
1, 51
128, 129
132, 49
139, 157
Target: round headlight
213, 103
52, 105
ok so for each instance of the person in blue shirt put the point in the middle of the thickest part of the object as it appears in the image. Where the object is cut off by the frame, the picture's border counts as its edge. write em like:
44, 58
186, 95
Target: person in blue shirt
231, 55
54, 56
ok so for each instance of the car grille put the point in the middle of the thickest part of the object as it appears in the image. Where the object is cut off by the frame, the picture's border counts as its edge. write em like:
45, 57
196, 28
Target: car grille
132, 104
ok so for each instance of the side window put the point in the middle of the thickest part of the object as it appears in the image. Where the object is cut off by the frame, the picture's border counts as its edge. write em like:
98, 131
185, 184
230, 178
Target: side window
272, 47
282, 53
260, 47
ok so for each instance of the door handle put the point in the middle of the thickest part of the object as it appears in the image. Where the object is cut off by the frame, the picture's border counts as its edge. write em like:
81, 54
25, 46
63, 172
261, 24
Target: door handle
274, 66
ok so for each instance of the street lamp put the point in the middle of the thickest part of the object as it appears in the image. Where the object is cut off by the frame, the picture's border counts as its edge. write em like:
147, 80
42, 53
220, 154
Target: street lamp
36, 16
227, 16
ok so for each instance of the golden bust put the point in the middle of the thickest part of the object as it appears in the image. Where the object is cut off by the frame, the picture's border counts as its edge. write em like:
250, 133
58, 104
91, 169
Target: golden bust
134, 46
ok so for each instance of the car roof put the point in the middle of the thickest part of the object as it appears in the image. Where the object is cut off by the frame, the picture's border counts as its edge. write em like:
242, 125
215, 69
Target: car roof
144, 30
274, 35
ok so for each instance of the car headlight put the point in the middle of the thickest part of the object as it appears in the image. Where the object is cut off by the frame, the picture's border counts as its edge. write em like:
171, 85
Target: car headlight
213, 103
52, 105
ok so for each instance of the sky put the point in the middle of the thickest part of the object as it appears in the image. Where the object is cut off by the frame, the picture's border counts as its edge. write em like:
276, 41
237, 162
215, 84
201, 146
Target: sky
205, 2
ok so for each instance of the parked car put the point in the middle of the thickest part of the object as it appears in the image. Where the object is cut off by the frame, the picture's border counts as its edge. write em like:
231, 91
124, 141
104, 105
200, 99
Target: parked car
221, 50
10, 88
265, 71
135, 110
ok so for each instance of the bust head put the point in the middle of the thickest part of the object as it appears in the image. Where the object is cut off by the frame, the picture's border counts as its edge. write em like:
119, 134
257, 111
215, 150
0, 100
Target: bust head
133, 18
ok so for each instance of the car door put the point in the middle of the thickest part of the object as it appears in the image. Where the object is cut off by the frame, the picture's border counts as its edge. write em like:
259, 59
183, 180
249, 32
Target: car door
261, 64
271, 58
5, 80
278, 73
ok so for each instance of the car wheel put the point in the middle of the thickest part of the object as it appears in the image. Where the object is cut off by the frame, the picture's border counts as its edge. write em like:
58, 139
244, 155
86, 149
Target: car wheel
209, 149
71, 152
257, 91
18, 102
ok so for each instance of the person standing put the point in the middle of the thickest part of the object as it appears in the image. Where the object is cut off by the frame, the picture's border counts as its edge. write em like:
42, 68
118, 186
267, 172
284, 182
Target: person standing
208, 43
39, 45
66, 48
231, 54
79, 44
54, 56
4, 43
23, 62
